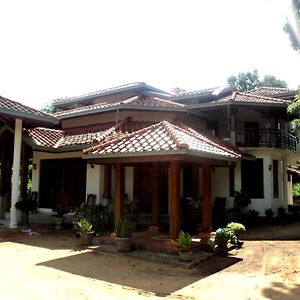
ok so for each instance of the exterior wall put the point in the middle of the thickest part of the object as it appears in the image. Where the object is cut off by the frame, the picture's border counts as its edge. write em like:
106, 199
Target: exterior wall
129, 182
93, 178
220, 183
290, 190
268, 201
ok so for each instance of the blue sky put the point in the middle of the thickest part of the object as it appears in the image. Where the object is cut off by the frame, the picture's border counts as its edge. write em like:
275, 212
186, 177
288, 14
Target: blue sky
52, 49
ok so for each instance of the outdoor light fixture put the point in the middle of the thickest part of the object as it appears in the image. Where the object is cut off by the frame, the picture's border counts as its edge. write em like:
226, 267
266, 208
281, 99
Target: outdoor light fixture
34, 166
270, 167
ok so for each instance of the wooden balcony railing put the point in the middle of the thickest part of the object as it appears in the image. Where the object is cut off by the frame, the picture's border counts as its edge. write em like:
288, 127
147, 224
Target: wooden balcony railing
254, 137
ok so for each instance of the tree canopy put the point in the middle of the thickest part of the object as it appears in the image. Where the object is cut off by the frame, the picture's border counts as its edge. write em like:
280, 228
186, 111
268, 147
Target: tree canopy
292, 26
250, 80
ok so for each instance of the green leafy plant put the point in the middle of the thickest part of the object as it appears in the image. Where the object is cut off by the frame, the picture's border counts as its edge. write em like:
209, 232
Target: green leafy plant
269, 213
241, 199
296, 189
237, 228
223, 236
184, 241
124, 228
85, 226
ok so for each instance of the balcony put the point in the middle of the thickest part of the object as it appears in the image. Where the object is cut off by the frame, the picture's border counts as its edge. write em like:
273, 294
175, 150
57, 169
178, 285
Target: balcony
254, 137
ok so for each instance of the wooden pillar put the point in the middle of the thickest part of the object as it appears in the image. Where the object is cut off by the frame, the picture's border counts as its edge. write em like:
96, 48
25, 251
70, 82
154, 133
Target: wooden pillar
24, 172
154, 194
107, 182
174, 199
206, 208
195, 185
119, 192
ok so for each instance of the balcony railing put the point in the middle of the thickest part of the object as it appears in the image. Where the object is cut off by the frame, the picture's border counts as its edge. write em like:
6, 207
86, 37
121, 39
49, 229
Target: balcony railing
254, 137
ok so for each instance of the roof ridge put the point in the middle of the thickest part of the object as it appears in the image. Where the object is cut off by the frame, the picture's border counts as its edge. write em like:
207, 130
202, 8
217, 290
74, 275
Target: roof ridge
260, 96
174, 135
128, 135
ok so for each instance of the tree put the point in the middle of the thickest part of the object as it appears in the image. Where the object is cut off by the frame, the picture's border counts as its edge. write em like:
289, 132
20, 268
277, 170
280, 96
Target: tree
292, 26
294, 108
244, 81
270, 80
248, 81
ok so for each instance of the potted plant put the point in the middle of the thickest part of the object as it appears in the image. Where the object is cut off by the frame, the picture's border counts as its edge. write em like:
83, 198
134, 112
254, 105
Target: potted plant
222, 237
59, 216
86, 232
123, 230
184, 244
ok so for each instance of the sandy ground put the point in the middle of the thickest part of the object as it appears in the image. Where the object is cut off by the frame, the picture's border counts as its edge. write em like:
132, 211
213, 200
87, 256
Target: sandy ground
54, 266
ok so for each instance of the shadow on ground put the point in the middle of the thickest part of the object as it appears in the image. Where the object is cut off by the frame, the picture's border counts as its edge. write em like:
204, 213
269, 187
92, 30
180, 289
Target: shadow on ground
279, 291
157, 278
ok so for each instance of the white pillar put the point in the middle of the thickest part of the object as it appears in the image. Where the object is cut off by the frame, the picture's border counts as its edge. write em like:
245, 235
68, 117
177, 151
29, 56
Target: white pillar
285, 182
15, 173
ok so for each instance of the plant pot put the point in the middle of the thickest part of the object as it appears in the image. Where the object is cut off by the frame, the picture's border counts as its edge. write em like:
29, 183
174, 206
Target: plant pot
86, 239
123, 244
58, 223
186, 255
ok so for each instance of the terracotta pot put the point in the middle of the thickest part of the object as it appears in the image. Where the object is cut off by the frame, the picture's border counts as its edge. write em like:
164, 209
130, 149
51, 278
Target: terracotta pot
186, 255
58, 222
123, 244
86, 239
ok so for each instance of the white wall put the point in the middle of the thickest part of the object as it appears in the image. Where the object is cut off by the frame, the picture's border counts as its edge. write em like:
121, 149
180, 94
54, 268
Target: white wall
219, 183
129, 182
93, 177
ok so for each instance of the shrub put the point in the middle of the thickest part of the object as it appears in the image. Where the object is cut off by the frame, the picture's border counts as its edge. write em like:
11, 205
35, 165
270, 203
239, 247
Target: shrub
251, 217
223, 236
237, 228
269, 213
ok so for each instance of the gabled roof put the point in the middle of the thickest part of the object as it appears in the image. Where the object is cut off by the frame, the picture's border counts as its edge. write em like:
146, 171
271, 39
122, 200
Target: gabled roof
131, 103
135, 86
13, 109
164, 138
272, 91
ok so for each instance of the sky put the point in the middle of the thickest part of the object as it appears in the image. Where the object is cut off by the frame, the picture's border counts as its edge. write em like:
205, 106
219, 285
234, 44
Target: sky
64, 48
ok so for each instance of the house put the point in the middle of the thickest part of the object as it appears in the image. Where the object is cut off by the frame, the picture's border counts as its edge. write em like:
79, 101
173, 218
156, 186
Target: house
159, 148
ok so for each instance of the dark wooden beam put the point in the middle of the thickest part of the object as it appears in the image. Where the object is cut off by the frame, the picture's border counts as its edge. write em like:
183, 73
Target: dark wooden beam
119, 192
174, 199
107, 182
154, 194
206, 207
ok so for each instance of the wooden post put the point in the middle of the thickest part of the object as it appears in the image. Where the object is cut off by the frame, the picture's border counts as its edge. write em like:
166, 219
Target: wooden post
119, 192
154, 194
206, 208
107, 182
174, 199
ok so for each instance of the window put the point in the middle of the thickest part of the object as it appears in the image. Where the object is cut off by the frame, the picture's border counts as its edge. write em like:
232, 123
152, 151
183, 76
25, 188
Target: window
252, 178
275, 179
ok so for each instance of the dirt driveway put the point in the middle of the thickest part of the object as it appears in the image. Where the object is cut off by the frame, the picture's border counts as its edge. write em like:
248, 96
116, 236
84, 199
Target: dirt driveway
53, 266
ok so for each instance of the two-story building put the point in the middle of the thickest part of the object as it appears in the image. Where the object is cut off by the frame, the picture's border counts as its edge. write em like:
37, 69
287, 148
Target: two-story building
159, 148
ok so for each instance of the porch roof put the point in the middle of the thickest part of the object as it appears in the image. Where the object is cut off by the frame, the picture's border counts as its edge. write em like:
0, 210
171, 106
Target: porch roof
136, 102
272, 91
164, 138
10, 110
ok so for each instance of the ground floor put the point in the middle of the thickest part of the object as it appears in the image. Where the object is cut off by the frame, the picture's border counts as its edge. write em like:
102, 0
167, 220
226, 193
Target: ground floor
55, 266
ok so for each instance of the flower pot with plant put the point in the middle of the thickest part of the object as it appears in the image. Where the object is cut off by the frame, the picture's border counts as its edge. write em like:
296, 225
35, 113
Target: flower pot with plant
123, 230
184, 244
237, 229
222, 237
86, 232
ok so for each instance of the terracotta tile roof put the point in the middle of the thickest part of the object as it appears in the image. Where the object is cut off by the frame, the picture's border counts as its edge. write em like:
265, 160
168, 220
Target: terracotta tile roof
244, 97
137, 100
203, 92
8, 107
84, 135
108, 91
271, 91
165, 136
